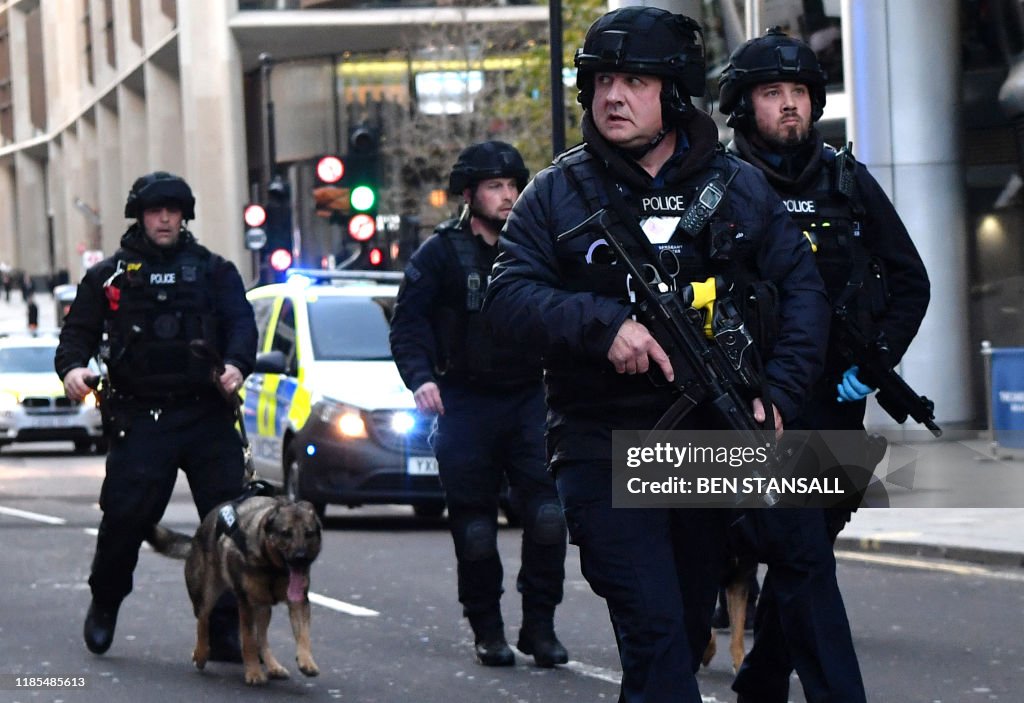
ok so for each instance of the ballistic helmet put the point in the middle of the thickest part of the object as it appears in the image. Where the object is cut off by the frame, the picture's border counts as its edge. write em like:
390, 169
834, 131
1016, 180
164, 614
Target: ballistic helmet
159, 188
492, 159
647, 41
773, 57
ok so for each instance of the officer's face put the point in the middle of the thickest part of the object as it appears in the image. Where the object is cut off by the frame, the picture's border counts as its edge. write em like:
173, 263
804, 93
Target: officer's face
493, 198
627, 108
782, 112
162, 224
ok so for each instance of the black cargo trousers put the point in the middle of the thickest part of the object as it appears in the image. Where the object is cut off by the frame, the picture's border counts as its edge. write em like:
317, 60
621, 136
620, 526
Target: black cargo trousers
483, 436
193, 433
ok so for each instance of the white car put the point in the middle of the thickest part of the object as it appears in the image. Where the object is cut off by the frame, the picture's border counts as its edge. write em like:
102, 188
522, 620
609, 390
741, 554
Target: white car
33, 407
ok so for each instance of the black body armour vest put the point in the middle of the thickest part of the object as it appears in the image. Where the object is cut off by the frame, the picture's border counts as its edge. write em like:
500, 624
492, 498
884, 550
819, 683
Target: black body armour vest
829, 216
699, 245
469, 351
162, 307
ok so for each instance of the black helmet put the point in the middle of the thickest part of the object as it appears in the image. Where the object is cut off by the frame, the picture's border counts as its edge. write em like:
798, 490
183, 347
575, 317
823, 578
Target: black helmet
773, 57
159, 188
649, 41
485, 160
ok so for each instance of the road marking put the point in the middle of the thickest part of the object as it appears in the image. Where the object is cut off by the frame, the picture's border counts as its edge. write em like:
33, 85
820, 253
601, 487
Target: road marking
38, 517
609, 675
341, 606
958, 569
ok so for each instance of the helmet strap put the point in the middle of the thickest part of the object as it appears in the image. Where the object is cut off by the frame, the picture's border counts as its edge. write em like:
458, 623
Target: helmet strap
639, 152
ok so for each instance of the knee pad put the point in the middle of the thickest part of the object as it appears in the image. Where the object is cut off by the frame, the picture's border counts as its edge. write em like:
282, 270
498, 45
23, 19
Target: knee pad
480, 540
548, 524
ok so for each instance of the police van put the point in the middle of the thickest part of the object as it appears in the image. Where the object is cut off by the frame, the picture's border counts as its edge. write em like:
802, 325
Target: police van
326, 412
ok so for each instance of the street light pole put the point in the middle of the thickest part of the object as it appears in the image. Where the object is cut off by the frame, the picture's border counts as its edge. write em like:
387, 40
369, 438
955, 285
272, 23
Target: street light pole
266, 66
557, 87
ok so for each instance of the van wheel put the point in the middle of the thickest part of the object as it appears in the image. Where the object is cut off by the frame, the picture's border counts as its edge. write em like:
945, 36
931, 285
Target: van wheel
82, 446
291, 482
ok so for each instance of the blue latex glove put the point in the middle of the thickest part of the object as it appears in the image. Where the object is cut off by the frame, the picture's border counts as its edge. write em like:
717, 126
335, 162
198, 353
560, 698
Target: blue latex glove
851, 389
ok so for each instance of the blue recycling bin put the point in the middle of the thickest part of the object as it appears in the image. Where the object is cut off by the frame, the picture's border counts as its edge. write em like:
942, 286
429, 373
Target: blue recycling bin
1006, 373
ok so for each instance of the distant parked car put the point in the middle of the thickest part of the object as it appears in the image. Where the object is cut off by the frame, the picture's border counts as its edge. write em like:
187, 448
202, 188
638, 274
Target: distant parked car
33, 406
63, 296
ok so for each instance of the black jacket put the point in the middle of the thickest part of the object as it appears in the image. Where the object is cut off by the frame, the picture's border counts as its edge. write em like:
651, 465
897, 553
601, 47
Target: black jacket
883, 236
434, 337
529, 302
82, 331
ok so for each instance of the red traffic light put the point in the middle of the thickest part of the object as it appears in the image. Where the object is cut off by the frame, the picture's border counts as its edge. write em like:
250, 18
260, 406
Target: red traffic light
362, 227
330, 169
376, 257
280, 259
254, 215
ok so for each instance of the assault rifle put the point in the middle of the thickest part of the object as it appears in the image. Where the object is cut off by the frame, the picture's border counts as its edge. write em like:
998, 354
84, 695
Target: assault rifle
717, 371
872, 357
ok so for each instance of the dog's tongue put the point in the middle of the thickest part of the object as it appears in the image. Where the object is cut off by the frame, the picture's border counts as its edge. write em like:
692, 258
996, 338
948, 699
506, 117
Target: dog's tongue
297, 583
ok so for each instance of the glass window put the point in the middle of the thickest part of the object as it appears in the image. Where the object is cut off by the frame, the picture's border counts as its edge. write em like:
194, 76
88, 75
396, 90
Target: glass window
284, 336
350, 329
27, 359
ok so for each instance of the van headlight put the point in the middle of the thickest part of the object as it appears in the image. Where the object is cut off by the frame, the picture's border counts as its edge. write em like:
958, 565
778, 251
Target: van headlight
348, 421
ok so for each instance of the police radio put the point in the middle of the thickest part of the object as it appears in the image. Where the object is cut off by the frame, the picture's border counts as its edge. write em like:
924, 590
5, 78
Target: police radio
845, 167
703, 207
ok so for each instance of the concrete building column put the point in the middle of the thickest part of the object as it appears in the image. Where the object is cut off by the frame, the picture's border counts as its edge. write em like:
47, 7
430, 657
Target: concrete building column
8, 215
163, 121
111, 187
32, 253
902, 70
214, 134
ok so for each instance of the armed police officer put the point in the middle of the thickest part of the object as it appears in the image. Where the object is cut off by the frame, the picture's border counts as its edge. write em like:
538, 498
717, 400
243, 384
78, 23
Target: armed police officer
165, 408
489, 403
774, 91
648, 157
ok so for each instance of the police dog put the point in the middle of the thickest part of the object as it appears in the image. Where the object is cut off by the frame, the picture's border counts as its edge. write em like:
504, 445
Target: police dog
736, 584
260, 548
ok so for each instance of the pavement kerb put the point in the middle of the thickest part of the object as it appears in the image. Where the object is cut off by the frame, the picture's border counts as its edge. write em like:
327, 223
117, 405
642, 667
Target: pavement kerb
973, 555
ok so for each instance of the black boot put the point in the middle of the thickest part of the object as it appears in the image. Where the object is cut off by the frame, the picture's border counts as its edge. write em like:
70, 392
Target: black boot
224, 640
537, 637
489, 641
100, 622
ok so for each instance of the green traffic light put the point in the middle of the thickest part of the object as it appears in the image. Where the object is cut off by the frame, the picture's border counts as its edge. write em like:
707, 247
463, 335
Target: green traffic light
362, 198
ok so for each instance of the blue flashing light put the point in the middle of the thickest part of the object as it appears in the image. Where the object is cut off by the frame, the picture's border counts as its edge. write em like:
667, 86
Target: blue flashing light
402, 422
310, 450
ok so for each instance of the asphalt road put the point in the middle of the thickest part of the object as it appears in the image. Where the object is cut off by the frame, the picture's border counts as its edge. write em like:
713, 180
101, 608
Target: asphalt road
387, 627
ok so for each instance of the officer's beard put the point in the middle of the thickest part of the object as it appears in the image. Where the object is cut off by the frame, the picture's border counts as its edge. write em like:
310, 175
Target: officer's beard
495, 223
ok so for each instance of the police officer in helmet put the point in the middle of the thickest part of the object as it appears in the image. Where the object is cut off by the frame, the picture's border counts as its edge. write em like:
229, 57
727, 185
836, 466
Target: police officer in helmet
773, 90
165, 408
647, 155
489, 404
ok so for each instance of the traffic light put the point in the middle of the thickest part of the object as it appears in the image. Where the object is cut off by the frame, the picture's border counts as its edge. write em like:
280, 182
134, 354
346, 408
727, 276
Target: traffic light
363, 170
330, 196
277, 254
255, 216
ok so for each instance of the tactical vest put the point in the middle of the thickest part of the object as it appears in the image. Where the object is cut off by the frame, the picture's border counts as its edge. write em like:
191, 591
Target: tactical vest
161, 307
829, 215
694, 250
468, 348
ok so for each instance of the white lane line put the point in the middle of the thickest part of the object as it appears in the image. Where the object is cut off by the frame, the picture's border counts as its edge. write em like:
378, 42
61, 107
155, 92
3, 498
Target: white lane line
593, 672
608, 675
959, 569
341, 606
37, 517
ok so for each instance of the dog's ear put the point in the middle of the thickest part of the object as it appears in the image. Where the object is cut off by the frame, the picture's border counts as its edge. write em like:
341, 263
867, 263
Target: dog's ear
307, 507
